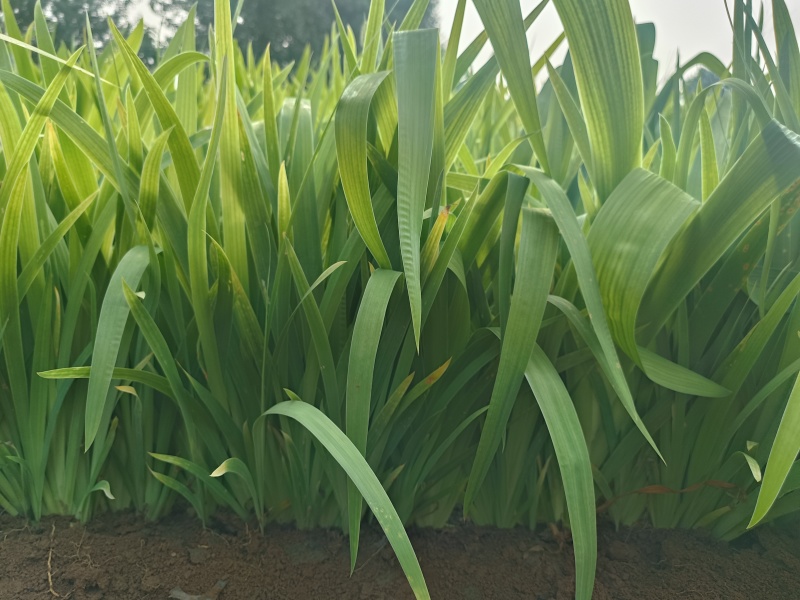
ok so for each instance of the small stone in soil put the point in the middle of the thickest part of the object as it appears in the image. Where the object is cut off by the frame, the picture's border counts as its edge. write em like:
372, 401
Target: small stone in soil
179, 594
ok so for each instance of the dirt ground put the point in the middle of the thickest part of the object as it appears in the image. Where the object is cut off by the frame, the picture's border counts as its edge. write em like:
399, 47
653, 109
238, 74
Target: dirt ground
120, 557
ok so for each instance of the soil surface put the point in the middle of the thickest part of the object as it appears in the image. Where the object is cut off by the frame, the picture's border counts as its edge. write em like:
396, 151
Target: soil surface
120, 557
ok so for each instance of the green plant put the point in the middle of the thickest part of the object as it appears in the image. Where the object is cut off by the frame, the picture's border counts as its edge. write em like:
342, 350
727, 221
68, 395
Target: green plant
287, 291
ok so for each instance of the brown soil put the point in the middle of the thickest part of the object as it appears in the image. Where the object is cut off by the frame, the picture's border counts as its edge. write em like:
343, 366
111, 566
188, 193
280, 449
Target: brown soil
120, 557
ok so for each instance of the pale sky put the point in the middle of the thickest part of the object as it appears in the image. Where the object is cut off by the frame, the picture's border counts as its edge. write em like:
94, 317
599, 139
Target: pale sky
685, 26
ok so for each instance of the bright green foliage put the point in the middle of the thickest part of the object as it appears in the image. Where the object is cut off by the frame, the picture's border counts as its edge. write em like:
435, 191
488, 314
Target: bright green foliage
602, 40
531, 302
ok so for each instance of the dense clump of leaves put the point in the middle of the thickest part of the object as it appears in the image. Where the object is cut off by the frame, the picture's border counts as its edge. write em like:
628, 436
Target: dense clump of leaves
373, 281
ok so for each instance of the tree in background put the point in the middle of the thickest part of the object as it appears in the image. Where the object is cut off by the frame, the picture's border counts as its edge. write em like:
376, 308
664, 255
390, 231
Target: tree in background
69, 17
287, 25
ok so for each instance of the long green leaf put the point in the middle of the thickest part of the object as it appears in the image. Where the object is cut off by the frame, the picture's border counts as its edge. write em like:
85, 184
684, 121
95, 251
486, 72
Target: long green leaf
357, 469
230, 162
182, 153
537, 254
605, 55
415, 57
351, 150
578, 247
111, 323
506, 30
782, 457
573, 463
363, 351
769, 166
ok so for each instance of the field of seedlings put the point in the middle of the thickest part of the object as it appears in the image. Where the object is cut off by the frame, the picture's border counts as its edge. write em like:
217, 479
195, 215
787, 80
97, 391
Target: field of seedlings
393, 289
